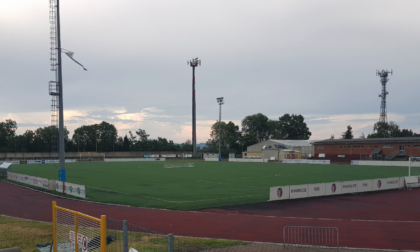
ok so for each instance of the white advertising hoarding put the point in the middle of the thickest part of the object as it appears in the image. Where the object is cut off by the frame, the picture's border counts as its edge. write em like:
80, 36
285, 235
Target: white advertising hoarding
169, 155
71, 189
378, 184
392, 183
279, 192
30, 180
349, 187
298, 191
333, 188
364, 185
315, 190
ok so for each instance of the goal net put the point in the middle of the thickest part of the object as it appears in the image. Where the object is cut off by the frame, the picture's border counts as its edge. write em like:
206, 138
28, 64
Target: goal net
178, 164
91, 157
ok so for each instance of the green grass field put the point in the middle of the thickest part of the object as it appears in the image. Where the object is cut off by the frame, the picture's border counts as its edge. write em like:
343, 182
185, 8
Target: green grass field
207, 185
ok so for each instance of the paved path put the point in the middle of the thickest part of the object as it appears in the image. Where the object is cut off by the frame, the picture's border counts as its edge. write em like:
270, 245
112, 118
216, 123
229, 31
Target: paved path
403, 232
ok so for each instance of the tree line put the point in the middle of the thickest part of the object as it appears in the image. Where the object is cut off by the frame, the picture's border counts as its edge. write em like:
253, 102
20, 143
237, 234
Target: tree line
256, 128
381, 130
103, 137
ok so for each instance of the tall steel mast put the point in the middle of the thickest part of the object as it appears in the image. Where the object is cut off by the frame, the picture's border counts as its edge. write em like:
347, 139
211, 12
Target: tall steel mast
194, 63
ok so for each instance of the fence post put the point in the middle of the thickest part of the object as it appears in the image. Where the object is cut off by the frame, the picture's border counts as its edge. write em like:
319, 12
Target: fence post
103, 233
170, 243
125, 236
54, 221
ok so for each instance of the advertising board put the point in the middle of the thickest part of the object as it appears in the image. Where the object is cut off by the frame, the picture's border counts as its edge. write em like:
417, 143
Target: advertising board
71, 189
378, 184
392, 183
364, 185
333, 188
29, 180
315, 190
279, 193
298, 191
349, 187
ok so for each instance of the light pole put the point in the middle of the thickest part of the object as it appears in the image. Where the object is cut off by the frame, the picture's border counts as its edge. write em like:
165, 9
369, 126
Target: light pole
220, 101
194, 63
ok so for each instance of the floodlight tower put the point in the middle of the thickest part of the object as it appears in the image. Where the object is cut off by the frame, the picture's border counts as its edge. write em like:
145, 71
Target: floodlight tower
194, 63
56, 87
384, 79
220, 101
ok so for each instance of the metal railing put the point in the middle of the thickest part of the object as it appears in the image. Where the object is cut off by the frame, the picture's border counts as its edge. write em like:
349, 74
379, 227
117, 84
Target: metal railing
320, 237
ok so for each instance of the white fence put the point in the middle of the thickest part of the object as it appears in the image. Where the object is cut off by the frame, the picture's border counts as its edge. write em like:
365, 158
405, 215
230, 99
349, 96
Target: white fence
248, 160
63, 187
384, 163
305, 161
336, 188
29, 180
211, 159
132, 159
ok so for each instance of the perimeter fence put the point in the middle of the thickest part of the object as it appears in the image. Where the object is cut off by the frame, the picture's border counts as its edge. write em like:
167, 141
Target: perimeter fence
318, 237
121, 236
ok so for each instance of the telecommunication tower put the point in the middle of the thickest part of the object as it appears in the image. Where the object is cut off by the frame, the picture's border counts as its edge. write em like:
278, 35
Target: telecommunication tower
194, 63
384, 79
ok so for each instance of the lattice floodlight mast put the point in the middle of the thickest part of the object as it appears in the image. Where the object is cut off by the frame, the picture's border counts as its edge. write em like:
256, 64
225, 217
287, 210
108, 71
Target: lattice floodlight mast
56, 86
194, 63
384, 79
53, 85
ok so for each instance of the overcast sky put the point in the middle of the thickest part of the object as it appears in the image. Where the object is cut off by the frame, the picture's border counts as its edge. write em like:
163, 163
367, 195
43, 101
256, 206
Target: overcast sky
315, 58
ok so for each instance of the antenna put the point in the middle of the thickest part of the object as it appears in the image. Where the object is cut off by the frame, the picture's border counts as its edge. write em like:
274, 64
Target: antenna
384, 79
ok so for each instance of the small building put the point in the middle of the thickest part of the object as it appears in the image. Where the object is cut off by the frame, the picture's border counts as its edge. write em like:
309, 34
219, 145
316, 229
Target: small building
368, 148
273, 149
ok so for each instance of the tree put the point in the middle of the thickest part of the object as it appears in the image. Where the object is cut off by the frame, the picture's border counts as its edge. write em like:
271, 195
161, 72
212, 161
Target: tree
348, 134
293, 127
186, 146
257, 125
332, 137
7, 131
362, 136
103, 135
384, 130
230, 136
132, 140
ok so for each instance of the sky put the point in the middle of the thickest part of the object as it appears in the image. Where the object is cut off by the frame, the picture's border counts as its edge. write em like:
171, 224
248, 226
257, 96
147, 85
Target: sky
315, 58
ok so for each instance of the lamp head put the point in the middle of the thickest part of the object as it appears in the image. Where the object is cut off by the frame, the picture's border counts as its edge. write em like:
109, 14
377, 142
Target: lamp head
220, 100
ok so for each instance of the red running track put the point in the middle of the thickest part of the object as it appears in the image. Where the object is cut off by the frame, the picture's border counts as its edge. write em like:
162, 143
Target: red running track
385, 220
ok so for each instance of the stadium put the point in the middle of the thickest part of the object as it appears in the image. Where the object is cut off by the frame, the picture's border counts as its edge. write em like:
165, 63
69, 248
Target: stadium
267, 186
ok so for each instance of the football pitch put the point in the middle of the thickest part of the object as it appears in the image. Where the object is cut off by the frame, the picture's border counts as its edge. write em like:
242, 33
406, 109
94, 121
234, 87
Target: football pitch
207, 185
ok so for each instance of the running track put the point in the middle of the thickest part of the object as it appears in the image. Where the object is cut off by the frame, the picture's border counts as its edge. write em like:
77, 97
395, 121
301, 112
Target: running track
386, 220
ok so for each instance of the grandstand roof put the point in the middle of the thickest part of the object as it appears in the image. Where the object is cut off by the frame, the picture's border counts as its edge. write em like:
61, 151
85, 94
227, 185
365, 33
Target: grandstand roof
370, 140
293, 142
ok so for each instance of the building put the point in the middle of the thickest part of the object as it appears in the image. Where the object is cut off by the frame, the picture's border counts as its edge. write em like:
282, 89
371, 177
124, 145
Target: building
368, 148
279, 149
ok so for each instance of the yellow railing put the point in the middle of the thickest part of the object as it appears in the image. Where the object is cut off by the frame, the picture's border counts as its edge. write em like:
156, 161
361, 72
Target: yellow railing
69, 221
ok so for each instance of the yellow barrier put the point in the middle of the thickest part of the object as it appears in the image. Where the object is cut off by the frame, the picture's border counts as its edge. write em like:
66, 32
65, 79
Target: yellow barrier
73, 227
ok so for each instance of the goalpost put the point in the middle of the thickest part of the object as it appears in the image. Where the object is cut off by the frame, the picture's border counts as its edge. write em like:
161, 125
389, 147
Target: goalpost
178, 164
410, 161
